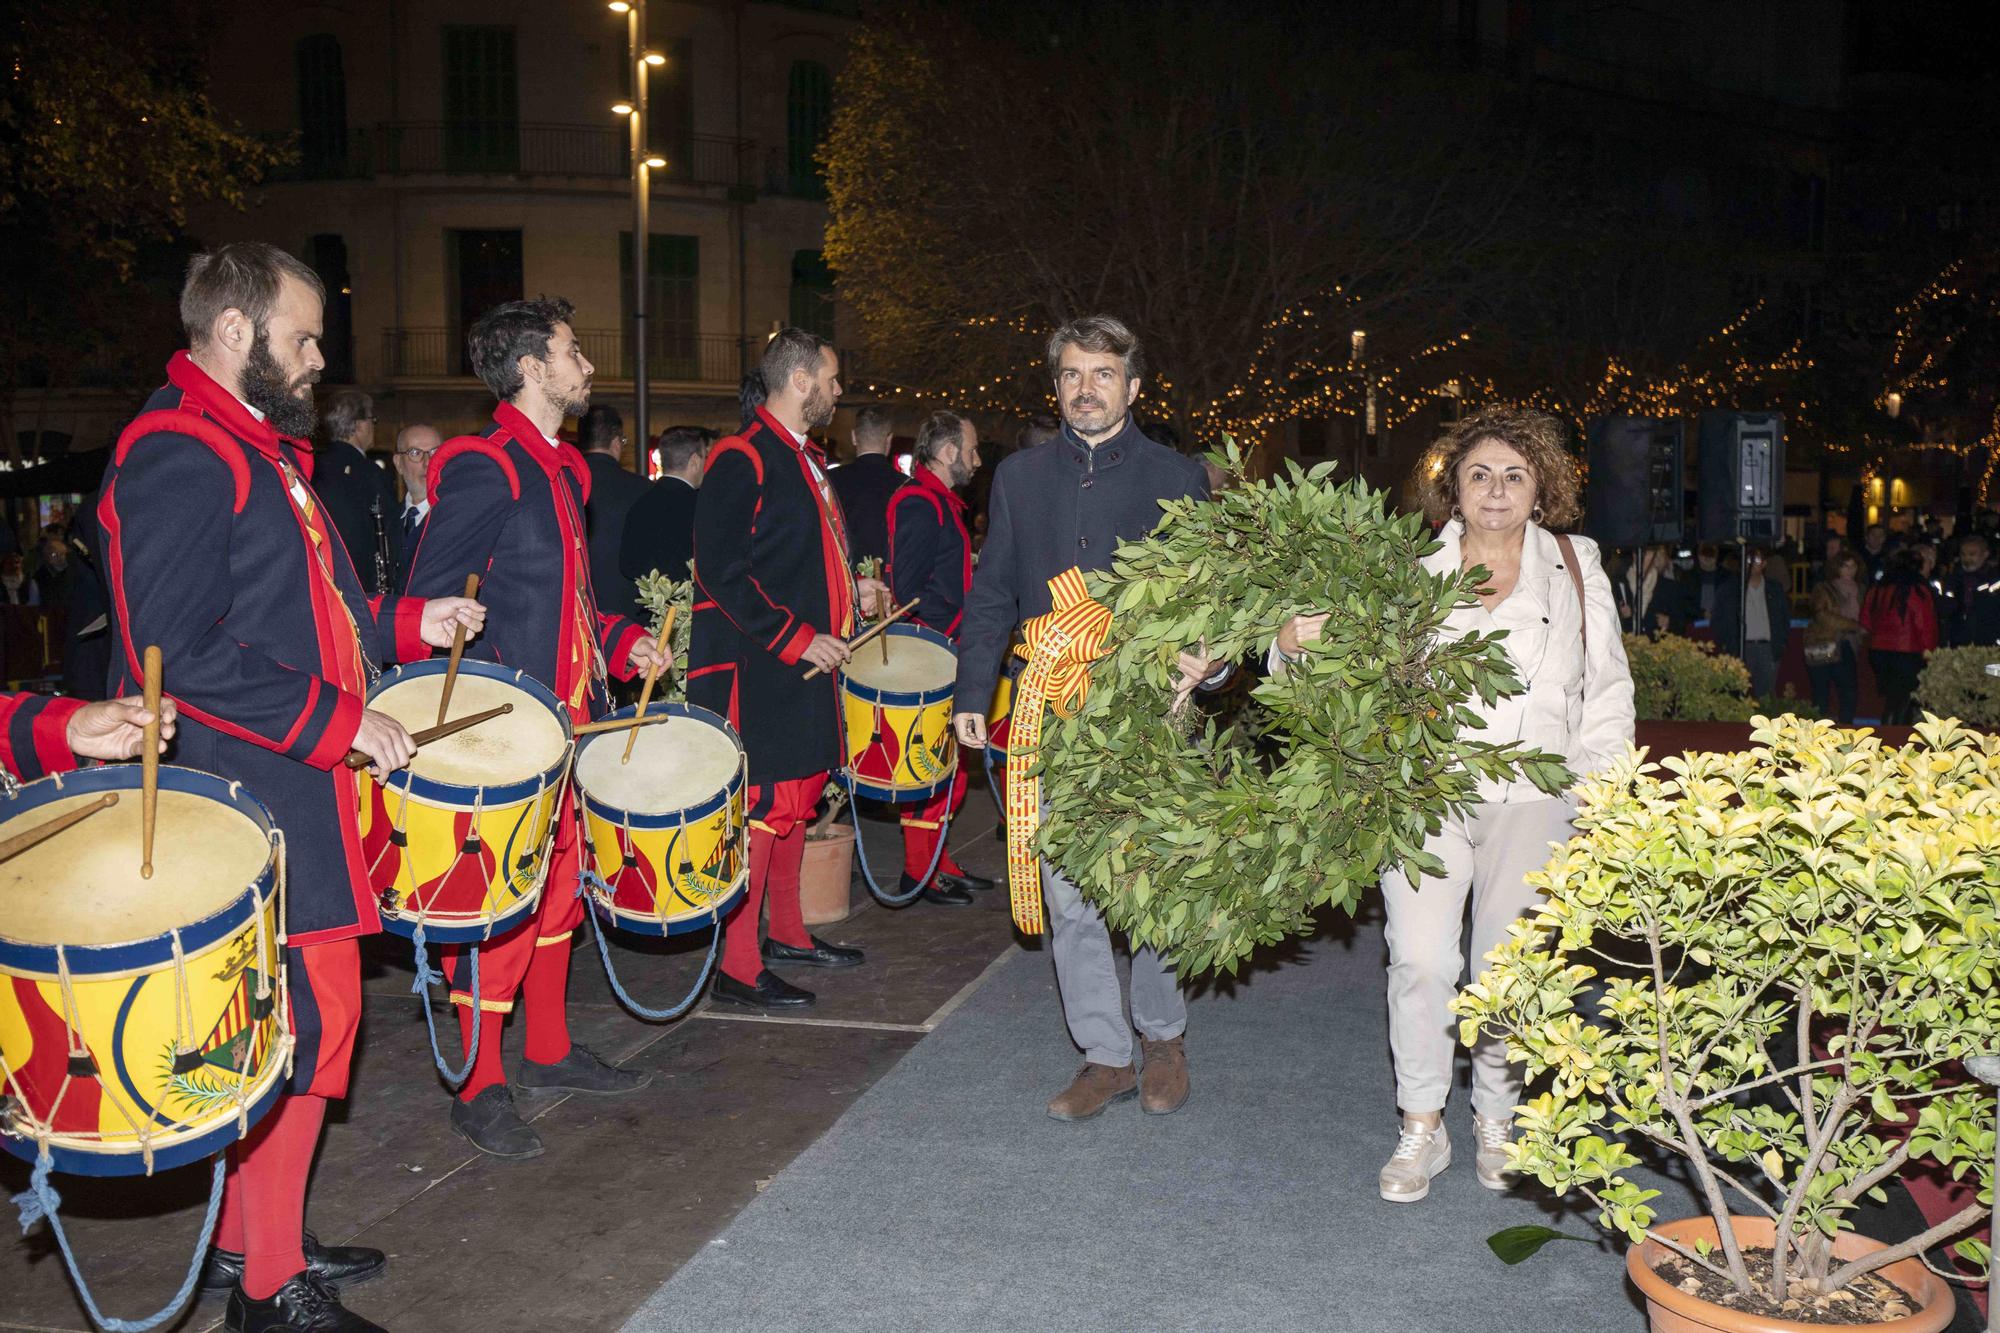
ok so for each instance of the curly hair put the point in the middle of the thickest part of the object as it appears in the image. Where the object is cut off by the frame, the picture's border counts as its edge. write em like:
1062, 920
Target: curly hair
1536, 436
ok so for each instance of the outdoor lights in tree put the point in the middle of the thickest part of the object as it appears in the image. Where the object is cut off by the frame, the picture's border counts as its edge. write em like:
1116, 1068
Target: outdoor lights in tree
1893, 402
1357, 345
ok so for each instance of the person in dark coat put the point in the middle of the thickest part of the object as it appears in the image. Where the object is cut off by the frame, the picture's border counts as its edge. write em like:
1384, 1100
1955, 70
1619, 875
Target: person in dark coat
659, 532
354, 488
416, 444
1759, 637
1061, 506
930, 563
775, 596
1972, 596
600, 433
87, 652
866, 484
219, 551
508, 505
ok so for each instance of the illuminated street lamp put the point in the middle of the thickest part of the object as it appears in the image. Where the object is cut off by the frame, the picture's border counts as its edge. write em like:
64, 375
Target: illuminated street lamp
644, 161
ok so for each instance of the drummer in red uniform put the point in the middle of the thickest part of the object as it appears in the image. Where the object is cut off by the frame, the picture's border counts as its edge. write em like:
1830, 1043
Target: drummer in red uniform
218, 551
930, 562
41, 734
774, 598
507, 505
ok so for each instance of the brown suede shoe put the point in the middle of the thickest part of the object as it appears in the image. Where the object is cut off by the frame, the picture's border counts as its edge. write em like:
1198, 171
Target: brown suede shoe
1094, 1089
1163, 1088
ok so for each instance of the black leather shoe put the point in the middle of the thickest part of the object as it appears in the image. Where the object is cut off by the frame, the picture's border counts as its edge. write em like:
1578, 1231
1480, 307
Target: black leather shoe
303, 1305
336, 1265
939, 892
490, 1123
580, 1071
963, 879
771, 992
821, 954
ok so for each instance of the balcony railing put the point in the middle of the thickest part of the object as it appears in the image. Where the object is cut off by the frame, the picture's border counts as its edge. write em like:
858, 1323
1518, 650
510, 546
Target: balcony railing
504, 148
674, 357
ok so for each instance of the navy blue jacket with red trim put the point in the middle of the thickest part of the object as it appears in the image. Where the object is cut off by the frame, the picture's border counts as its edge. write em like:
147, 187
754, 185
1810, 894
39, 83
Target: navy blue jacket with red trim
508, 507
209, 556
930, 552
770, 572
34, 734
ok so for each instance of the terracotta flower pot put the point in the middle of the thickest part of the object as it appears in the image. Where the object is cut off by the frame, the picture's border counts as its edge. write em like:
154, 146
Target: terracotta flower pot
1672, 1310
826, 875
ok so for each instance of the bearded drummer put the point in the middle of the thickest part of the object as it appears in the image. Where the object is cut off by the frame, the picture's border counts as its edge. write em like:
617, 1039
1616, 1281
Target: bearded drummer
507, 505
930, 562
773, 598
40, 734
218, 551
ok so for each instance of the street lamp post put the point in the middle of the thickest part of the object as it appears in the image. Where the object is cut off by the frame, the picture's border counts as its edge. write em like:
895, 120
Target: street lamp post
638, 58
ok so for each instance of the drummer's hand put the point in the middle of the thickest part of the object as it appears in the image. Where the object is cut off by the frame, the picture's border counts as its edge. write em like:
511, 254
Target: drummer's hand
1298, 632
876, 599
1196, 667
385, 742
971, 729
115, 728
826, 651
444, 615
646, 657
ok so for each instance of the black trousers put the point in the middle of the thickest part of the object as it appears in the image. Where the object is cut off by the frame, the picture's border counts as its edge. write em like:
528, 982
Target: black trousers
1896, 679
1839, 678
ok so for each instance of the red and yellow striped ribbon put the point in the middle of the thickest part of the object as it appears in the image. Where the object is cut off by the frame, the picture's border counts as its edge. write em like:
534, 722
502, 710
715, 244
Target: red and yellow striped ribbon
1059, 648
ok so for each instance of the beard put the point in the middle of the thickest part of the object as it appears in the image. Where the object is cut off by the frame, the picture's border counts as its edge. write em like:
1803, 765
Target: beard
818, 410
286, 403
570, 402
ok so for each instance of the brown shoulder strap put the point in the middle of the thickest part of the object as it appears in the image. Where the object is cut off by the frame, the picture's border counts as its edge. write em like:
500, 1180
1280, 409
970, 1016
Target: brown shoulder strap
1576, 577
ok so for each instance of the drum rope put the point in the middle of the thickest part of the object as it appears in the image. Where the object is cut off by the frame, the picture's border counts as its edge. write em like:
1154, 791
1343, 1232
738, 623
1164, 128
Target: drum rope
39, 1203
421, 988
589, 884
882, 896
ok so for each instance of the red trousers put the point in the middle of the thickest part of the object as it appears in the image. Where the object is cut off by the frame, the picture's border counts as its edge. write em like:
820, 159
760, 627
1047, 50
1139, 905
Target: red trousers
778, 815
264, 1193
532, 957
924, 826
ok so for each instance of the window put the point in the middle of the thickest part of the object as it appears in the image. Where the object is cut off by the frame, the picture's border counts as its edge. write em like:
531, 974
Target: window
482, 131
808, 108
673, 305
670, 106
812, 293
485, 267
322, 108
326, 255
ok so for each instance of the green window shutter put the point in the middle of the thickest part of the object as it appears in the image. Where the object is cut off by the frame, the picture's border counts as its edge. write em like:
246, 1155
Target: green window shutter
812, 293
482, 128
808, 112
673, 306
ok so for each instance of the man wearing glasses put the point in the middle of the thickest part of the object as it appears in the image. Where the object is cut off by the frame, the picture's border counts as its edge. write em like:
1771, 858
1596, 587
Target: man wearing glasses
414, 447
349, 483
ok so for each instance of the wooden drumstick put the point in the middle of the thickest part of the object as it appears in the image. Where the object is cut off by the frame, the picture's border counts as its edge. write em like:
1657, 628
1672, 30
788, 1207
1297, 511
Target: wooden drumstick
457, 651
21, 842
356, 759
617, 724
646, 690
149, 764
873, 631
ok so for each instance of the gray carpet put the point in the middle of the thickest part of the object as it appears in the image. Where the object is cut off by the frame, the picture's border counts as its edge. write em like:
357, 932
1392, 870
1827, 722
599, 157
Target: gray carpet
946, 1199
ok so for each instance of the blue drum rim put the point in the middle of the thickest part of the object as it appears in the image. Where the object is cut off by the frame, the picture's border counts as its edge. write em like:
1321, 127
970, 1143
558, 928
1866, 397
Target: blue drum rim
92, 960
435, 932
905, 698
131, 1161
899, 795
614, 815
653, 927
452, 793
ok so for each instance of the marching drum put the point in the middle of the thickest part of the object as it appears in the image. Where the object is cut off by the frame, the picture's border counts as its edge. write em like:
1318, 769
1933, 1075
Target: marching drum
142, 1021
999, 718
459, 841
897, 715
667, 832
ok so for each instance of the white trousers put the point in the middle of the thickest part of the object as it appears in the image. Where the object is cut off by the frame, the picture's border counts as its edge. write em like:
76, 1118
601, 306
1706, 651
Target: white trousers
1487, 855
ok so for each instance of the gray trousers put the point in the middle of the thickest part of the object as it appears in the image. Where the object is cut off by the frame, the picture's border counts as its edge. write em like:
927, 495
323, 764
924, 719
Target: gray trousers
1087, 976
1487, 855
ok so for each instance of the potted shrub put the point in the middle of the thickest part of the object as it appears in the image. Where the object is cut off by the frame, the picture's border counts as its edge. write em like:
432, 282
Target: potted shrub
826, 874
1784, 954
1954, 683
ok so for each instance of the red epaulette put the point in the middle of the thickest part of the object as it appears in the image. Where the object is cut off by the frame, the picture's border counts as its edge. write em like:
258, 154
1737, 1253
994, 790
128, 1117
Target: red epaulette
471, 444
224, 445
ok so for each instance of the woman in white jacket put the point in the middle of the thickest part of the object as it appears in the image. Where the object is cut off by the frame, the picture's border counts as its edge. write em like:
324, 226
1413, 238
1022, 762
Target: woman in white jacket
1498, 482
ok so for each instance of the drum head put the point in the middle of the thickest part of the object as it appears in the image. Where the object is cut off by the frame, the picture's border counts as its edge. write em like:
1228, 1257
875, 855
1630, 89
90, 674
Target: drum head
82, 886
513, 748
676, 765
915, 666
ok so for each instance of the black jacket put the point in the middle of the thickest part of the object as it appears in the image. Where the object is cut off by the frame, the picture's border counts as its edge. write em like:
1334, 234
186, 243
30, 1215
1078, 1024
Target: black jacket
1728, 615
659, 532
771, 570
865, 488
613, 492
1056, 506
349, 484
930, 552
1971, 606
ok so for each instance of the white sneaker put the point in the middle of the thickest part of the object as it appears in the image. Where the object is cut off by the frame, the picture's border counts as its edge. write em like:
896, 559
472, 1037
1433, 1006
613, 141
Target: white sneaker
1420, 1154
1489, 1163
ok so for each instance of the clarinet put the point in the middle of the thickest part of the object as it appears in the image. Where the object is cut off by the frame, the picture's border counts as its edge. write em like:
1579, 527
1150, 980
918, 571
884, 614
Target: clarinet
384, 566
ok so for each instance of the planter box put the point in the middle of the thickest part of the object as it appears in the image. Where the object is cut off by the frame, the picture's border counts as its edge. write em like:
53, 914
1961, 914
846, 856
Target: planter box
826, 877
